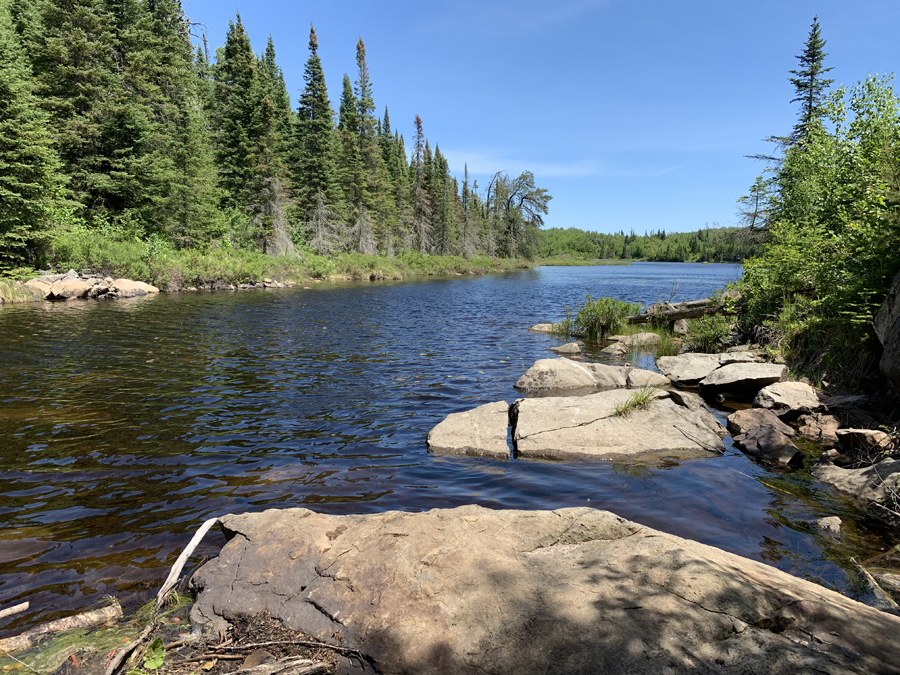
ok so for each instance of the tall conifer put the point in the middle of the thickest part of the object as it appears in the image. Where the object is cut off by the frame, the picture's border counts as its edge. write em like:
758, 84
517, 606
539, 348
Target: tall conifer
809, 83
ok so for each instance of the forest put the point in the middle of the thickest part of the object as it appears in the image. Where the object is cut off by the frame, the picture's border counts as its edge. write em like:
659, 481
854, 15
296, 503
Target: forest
122, 146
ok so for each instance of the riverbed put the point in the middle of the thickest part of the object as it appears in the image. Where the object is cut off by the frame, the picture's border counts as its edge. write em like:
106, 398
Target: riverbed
123, 425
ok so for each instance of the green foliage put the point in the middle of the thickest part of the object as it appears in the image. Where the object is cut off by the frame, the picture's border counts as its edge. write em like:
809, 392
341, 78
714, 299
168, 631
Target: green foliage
154, 658
709, 334
639, 400
724, 244
809, 85
598, 318
834, 244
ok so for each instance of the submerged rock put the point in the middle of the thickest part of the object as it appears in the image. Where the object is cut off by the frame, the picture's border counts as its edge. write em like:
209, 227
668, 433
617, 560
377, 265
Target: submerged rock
788, 400
831, 524
570, 348
615, 349
543, 328
481, 432
770, 446
588, 427
742, 381
561, 374
471, 590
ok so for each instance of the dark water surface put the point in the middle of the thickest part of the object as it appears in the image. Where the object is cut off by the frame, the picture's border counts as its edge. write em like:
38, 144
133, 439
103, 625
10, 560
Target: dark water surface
125, 424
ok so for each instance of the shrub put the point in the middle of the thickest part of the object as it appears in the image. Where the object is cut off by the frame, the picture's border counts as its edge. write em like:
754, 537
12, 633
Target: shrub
709, 334
598, 318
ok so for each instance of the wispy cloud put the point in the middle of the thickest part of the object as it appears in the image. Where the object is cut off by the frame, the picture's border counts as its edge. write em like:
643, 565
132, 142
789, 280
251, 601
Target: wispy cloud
486, 163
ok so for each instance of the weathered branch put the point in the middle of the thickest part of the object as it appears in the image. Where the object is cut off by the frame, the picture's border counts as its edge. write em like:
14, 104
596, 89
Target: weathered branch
15, 609
172, 579
96, 617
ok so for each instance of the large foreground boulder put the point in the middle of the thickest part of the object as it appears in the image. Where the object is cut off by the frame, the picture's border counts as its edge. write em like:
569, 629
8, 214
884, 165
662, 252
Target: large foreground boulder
594, 427
687, 370
470, 591
480, 432
742, 381
562, 374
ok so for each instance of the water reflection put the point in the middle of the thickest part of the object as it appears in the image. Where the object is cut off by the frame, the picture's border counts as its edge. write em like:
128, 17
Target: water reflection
125, 424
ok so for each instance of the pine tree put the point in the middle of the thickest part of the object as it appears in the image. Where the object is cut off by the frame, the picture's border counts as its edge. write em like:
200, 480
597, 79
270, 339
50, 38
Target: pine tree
350, 165
281, 101
421, 212
374, 193
312, 158
809, 85
28, 181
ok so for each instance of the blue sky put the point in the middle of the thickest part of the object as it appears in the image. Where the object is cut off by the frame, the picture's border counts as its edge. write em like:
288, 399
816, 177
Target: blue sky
635, 114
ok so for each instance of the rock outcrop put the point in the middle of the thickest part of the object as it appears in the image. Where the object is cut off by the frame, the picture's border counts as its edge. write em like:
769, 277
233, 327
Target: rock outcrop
588, 427
637, 340
481, 432
71, 286
788, 400
742, 381
470, 591
769, 445
887, 328
687, 370
563, 374
876, 488
742, 421
820, 428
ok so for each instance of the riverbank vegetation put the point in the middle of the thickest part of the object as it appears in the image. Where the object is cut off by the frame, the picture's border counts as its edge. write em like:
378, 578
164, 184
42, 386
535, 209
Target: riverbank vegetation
829, 206
125, 149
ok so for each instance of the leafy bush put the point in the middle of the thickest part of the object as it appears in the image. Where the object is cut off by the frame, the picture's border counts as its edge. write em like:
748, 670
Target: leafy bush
598, 318
709, 334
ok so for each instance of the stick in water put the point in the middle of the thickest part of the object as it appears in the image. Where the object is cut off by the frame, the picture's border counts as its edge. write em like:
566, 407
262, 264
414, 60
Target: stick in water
96, 617
15, 609
172, 579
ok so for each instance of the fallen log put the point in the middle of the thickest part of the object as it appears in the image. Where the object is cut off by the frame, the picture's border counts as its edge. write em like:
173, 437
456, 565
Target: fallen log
670, 315
96, 617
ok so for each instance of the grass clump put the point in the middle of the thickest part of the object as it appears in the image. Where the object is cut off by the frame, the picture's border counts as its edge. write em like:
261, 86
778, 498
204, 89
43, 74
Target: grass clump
710, 334
601, 317
639, 400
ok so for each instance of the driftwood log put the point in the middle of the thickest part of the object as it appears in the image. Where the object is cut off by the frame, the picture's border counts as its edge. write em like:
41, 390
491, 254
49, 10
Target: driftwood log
96, 617
692, 309
15, 609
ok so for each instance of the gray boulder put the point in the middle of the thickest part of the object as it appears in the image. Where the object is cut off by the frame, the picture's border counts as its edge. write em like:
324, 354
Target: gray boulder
126, 288
615, 349
680, 327
69, 289
570, 348
857, 440
543, 328
820, 428
588, 427
769, 445
696, 404
887, 328
481, 432
471, 590
637, 340
788, 400
565, 374
742, 421
876, 488
831, 524
742, 381
687, 370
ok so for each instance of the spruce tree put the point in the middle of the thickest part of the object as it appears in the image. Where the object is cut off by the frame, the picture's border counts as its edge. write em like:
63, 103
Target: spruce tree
350, 165
278, 91
374, 194
809, 83
28, 164
312, 158
421, 211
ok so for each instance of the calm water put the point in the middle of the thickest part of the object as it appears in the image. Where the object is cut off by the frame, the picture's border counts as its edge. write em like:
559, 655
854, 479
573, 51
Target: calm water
125, 424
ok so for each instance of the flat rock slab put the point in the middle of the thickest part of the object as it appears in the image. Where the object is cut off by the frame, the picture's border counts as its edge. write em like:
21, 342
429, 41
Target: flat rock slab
561, 374
637, 340
742, 421
687, 370
788, 400
470, 591
480, 432
742, 381
582, 427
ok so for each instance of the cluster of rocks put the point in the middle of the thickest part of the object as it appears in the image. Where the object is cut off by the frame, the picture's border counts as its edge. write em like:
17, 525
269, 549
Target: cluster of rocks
72, 286
473, 590
223, 286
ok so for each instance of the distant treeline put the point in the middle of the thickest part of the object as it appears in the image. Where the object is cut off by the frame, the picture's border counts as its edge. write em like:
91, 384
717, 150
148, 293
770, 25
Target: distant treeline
720, 244
114, 128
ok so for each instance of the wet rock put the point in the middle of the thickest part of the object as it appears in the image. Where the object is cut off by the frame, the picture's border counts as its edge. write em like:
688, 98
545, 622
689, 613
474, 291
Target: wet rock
570, 348
69, 289
875, 487
680, 327
471, 590
742, 421
742, 381
831, 524
820, 428
481, 432
769, 445
588, 427
126, 288
615, 349
788, 400
543, 328
696, 404
687, 370
565, 374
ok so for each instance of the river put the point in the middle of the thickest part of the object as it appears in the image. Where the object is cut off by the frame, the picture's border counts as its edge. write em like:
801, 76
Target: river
125, 424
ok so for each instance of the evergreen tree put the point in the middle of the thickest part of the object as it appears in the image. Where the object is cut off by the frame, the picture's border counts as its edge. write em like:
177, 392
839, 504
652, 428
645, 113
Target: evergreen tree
281, 101
312, 159
809, 83
28, 180
350, 166
421, 211
374, 192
